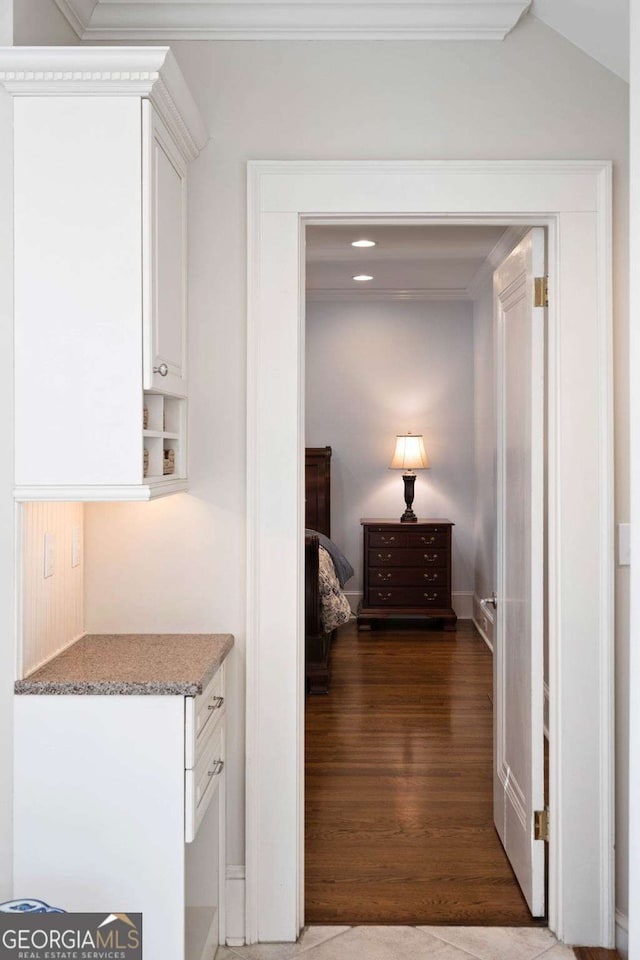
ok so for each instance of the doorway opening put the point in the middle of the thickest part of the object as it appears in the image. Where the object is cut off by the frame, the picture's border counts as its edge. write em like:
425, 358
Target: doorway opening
399, 794
573, 200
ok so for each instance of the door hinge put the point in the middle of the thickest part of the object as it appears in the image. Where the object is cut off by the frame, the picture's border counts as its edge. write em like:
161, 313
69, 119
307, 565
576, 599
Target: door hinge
541, 825
541, 291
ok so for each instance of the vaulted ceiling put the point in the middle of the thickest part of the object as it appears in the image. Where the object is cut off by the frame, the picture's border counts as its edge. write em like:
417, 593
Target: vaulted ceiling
599, 27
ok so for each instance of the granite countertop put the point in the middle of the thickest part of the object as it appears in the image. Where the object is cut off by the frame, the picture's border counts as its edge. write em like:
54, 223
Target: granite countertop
179, 664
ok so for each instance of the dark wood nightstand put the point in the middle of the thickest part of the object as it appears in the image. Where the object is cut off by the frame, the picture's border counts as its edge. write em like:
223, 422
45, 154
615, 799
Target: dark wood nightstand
407, 572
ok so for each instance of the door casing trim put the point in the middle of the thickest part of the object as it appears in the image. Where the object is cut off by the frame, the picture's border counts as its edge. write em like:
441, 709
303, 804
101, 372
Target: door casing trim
573, 199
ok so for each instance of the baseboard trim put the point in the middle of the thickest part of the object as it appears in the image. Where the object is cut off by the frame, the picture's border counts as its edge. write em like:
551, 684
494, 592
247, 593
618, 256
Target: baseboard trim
484, 621
235, 905
622, 934
462, 603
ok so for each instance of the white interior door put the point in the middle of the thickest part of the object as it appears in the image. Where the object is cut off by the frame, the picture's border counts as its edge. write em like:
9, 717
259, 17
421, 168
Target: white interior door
518, 659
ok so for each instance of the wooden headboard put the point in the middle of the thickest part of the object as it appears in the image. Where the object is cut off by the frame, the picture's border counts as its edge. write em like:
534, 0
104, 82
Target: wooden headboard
317, 489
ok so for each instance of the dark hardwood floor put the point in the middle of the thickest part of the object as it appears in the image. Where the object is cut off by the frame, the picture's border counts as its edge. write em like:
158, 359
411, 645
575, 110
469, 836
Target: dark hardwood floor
399, 825
595, 953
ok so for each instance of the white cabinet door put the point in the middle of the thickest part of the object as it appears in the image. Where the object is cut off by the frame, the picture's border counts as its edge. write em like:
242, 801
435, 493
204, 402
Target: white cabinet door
164, 173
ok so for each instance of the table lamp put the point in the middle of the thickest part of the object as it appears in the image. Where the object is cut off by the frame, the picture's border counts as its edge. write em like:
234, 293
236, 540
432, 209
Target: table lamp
409, 456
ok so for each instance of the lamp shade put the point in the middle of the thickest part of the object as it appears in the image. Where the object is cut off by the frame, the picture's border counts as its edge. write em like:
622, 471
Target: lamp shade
409, 453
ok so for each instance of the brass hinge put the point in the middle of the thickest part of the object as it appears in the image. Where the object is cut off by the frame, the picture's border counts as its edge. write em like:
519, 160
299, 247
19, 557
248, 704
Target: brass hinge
540, 292
541, 825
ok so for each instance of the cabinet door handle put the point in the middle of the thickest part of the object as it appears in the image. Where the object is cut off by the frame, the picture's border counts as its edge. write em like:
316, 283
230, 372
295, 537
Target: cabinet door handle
384, 556
388, 539
218, 767
163, 369
216, 703
385, 576
384, 596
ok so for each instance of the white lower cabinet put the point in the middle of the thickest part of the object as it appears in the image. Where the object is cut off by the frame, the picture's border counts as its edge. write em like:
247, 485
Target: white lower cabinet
119, 808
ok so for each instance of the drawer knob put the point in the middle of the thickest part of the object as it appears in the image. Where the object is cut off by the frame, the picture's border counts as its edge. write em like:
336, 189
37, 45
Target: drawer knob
388, 539
163, 369
216, 703
384, 596
386, 556
218, 767
385, 576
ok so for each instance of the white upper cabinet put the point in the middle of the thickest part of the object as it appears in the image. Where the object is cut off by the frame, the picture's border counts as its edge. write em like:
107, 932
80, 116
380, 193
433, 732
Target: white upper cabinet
164, 257
102, 141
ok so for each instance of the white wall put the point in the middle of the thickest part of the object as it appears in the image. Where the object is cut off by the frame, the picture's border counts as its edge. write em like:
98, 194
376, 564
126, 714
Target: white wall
39, 22
485, 450
632, 691
7, 558
376, 369
53, 606
533, 96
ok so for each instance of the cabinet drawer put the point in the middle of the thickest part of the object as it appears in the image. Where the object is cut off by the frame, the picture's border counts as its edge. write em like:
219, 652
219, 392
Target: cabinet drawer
407, 577
201, 783
388, 539
390, 557
432, 537
202, 714
408, 597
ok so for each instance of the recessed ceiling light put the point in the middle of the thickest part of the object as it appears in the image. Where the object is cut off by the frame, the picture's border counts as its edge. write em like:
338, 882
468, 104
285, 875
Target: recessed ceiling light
362, 277
363, 243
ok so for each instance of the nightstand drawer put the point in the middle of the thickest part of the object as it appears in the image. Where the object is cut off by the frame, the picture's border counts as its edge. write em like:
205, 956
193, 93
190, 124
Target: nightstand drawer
391, 557
407, 596
389, 539
407, 577
434, 537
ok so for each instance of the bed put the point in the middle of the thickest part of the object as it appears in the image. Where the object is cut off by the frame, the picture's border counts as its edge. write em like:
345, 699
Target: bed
324, 601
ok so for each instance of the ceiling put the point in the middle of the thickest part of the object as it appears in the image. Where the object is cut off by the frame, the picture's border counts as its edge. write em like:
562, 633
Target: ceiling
599, 27
409, 262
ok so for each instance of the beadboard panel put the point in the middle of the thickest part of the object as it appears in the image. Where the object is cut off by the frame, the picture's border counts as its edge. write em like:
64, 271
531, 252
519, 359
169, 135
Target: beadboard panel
53, 606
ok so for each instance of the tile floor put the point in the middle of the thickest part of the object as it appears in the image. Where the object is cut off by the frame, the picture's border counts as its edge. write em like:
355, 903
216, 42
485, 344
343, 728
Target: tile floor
410, 943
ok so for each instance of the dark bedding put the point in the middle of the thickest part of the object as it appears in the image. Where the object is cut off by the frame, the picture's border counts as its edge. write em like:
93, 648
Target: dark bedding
344, 570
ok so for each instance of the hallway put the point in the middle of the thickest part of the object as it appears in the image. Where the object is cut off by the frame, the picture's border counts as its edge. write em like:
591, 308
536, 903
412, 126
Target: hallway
398, 800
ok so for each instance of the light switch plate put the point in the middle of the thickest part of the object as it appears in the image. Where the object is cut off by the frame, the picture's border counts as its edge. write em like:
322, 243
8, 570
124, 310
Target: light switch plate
624, 544
49, 567
76, 547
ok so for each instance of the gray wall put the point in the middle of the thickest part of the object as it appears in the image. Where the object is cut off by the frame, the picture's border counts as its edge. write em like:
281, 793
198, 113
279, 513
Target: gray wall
374, 370
485, 442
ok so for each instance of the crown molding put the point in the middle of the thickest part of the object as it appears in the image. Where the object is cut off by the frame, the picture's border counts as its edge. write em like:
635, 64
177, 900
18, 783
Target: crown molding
150, 72
433, 294
293, 19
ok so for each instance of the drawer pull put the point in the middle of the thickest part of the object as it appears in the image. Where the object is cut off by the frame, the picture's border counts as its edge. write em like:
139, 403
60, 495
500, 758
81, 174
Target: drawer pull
388, 539
218, 767
386, 576
431, 596
430, 556
216, 703
386, 556
430, 576
428, 539
384, 596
